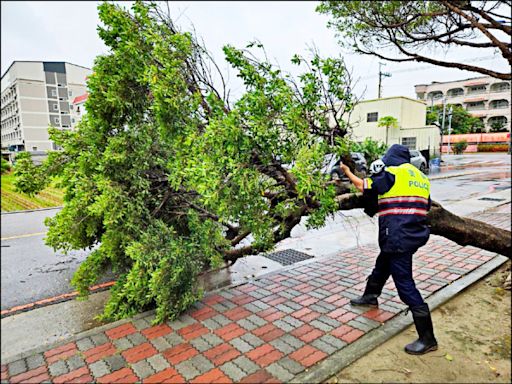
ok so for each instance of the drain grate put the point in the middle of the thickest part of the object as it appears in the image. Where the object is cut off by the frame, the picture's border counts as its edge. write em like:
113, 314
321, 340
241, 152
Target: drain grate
287, 256
490, 199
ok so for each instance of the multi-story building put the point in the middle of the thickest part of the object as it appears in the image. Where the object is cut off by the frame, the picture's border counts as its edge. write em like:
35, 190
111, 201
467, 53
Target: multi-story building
484, 97
410, 130
78, 108
35, 95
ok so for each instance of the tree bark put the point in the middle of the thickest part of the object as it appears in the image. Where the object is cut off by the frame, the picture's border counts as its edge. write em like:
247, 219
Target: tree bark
466, 231
461, 230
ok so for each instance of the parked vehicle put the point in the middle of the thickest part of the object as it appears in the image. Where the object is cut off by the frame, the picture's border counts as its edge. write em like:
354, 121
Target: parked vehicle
418, 160
359, 161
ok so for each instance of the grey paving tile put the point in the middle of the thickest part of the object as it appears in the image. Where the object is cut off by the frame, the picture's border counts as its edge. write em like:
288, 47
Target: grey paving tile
187, 370
257, 320
142, 369
296, 323
233, 371
140, 324
285, 308
115, 362
160, 343
280, 372
17, 367
137, 338
122, 344
99, 368
173, 339
253, 340
362, 326
182, 322
321, 325
85, 344
35, 361
99, 339
292, 340
282, 346
323, 346
260, 304
158, 363
334, 341
75, 362
200, 344
241, 345
246, 365
291, 365
252, 308
226, 294
201, 363
221, 319
246, 324
284, 325
58, 368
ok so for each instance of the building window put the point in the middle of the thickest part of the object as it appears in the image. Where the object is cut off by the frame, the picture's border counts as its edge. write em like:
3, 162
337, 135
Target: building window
372, 116
70, 93
73, 120
55, 107
477, 89
54, 92
498, 104
475, 106
34, 148
56, 120
500, 87
409, 142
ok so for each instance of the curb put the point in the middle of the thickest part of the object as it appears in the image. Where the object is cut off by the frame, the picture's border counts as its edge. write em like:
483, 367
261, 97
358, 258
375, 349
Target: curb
31, 210
440, 177
344, 357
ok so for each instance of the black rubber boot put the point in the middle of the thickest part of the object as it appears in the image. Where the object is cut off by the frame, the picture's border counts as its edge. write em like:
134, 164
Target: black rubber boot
423, 322
372, 291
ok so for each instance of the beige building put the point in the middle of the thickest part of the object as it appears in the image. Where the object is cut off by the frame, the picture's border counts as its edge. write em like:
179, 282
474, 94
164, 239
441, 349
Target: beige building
36, 94
484, 97
411, 130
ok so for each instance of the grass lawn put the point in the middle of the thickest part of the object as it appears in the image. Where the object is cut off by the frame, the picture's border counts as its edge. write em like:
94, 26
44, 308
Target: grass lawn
15, 201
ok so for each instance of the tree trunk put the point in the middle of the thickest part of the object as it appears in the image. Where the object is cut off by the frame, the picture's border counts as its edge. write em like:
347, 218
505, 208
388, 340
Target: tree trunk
461, 230
465, 231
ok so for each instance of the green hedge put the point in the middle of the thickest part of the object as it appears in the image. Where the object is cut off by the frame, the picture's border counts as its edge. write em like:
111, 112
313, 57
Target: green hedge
492, 147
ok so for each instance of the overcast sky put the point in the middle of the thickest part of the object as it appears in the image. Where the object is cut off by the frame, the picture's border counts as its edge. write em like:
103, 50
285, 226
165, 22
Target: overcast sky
66, 31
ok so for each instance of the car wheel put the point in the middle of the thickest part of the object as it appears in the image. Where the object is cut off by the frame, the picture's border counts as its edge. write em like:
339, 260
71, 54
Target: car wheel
335, 176
423, 168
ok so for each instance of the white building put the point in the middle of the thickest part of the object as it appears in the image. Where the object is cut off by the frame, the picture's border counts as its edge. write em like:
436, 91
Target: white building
484, 97
36, 94
78, 108
410, 131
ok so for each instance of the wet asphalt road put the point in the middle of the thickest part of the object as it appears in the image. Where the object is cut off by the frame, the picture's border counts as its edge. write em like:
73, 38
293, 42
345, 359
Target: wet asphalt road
32, 271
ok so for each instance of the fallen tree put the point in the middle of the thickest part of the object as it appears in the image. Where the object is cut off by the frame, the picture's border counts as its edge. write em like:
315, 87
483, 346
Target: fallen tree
165, 177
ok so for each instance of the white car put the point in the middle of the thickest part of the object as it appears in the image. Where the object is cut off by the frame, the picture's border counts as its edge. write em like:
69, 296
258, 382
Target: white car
418, 160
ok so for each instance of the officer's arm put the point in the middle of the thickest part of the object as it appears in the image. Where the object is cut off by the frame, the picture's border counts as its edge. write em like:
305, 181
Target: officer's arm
357, 181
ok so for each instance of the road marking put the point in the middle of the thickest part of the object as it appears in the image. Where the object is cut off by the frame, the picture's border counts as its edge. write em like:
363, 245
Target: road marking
21, 236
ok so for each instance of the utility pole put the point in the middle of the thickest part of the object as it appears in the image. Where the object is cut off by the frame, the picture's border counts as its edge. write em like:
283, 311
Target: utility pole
449, 126
442, 128
381, 75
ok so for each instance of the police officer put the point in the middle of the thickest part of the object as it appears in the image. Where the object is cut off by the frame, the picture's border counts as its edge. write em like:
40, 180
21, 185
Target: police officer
402, 193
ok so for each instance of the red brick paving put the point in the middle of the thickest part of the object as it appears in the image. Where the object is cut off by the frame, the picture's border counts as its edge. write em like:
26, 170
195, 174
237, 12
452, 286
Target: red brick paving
329, 269
213, 376
98, 353
169, 375
221, 354
121, 331
230, 331
139, 352
156, 331
264, 355
179, 353
192, 331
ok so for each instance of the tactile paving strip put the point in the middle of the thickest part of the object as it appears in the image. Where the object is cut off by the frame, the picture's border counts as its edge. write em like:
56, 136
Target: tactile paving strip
288, 256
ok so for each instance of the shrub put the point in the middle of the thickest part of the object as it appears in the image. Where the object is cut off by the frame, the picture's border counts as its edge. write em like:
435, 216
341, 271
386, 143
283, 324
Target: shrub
6, 167
460, 147
492, 147
371, 149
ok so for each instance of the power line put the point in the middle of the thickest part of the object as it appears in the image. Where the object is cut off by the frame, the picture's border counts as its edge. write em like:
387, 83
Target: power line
484, 58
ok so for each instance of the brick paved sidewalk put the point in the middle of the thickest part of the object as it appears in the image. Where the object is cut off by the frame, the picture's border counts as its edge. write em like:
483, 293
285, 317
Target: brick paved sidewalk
267, 330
